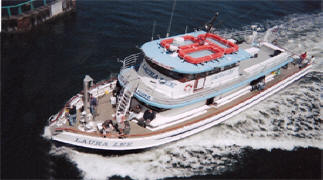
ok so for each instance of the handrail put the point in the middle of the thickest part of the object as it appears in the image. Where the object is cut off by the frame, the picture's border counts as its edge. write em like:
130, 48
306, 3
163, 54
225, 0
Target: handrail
130, 60
30, 2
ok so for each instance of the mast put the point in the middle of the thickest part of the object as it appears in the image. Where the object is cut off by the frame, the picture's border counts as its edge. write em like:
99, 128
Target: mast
171, 19
86, 82
153, 32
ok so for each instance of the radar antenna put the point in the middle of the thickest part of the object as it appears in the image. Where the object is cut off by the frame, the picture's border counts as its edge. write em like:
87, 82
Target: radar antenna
208, 27
210, 24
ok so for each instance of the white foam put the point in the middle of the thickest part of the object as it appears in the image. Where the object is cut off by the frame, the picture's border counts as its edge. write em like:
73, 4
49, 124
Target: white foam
47, 134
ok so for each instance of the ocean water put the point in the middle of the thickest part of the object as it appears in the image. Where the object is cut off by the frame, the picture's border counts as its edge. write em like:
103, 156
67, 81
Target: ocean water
279, 138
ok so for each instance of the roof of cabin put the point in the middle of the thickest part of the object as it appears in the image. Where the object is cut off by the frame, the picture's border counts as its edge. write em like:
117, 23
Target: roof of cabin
157, 53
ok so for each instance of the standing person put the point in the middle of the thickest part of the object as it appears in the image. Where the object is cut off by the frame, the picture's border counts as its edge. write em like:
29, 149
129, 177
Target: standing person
120, 122
72, 117
113, 101
126, 128
303, 56
93, 104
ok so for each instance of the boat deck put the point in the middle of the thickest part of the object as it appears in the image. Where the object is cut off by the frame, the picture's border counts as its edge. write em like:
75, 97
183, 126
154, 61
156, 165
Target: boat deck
105, 111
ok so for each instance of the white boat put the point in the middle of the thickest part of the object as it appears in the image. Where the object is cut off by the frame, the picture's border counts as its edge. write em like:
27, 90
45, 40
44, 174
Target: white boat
191, 82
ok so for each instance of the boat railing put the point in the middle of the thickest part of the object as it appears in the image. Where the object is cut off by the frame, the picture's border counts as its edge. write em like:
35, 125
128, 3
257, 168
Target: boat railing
130, 60
16, 9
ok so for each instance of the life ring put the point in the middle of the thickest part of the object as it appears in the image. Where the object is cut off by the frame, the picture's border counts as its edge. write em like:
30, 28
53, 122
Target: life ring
188, 87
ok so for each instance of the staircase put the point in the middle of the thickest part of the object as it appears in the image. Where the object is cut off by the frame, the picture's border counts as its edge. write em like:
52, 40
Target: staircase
125, 97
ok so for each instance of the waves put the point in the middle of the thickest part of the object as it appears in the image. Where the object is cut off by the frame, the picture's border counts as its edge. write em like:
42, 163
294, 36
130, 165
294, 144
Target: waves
286, 120
289, 119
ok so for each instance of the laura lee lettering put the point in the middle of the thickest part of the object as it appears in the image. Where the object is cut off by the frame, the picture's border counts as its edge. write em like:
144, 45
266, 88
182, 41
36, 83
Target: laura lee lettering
101, 143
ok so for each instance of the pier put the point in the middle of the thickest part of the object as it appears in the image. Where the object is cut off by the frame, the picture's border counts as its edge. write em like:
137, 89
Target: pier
22, 16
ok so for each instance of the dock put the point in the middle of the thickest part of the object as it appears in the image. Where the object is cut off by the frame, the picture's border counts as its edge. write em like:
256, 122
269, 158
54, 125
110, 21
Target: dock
22, 16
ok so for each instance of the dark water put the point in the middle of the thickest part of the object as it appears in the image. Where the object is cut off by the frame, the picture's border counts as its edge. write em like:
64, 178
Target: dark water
42, 69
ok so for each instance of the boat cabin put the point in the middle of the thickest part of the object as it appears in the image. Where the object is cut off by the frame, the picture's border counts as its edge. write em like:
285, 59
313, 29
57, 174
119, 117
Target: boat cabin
183, 67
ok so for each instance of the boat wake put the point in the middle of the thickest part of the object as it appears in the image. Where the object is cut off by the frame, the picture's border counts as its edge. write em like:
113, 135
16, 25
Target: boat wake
287, 120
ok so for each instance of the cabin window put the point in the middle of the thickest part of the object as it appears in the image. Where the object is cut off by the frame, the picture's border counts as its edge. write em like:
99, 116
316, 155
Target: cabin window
215, 70
187, 77
164, 71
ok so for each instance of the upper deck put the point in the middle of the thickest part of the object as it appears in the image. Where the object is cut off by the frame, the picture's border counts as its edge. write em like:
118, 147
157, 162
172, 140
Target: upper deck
161, 91
172, 61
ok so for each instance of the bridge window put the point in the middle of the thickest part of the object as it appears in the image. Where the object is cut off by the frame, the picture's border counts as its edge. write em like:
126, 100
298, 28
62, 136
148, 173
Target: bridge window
187, 77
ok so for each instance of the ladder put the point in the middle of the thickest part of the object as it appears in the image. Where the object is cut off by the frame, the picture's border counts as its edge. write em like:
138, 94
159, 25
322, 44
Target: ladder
125, 97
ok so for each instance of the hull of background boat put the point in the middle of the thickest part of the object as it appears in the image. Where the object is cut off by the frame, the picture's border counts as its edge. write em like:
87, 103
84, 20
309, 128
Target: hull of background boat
170, 136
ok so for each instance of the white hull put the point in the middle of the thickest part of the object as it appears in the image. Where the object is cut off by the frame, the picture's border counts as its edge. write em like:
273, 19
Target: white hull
170, 136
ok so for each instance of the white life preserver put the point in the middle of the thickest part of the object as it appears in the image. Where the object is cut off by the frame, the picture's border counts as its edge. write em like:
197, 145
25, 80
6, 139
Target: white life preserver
188, 88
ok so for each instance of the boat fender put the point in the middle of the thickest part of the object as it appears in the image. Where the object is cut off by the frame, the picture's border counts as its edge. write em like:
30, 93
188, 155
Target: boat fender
188, 88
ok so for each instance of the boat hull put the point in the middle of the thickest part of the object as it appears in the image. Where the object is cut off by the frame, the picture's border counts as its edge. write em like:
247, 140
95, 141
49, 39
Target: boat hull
143, 142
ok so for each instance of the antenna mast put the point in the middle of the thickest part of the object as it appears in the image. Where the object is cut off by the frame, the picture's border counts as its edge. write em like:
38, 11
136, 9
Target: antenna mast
209, 25
152, 34
171, 19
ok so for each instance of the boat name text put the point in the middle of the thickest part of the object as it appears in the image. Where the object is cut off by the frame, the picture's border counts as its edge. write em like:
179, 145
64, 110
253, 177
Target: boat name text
102, 143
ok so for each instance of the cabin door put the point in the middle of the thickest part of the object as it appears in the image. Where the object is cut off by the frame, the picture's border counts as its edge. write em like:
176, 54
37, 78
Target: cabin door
199, 83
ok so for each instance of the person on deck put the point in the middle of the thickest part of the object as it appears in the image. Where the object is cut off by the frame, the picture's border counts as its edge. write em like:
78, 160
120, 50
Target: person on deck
127, 128
149, 115
120, 122
312, 59
134, 113
113, 101
136, 109
93, 104
107, 127
72, 117
303, 56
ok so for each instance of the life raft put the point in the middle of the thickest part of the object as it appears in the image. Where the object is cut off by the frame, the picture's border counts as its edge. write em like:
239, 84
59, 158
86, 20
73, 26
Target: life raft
184, 53
219, 46
167, 42
231, 46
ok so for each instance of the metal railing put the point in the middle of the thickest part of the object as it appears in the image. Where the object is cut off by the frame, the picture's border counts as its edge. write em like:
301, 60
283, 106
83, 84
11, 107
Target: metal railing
23, 7
130, 60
